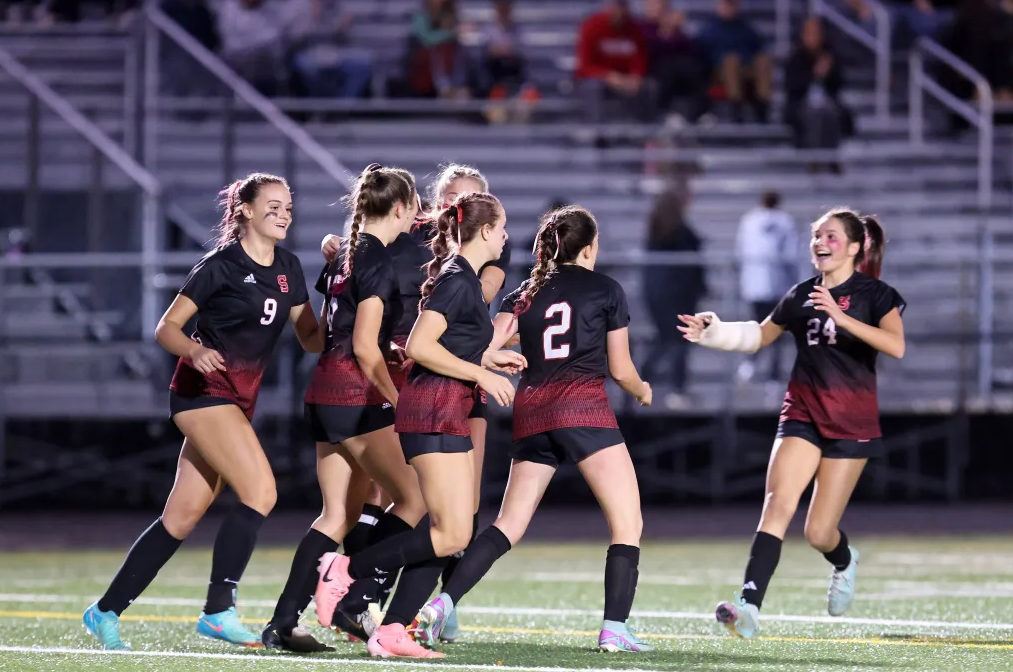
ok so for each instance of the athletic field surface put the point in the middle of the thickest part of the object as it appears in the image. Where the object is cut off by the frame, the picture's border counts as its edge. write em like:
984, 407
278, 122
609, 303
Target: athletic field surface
925, 603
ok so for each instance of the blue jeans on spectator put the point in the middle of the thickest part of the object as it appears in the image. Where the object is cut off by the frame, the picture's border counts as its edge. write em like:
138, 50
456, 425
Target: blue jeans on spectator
347, 76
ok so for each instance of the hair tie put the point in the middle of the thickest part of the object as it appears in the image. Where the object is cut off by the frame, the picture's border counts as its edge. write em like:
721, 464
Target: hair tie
556, 255
460, 214
373, 167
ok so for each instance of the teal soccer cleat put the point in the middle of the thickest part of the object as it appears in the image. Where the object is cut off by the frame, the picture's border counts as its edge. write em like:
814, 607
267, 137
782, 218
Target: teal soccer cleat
451, 629
226, 627
106, 626
615, 637
841, 593
741, 618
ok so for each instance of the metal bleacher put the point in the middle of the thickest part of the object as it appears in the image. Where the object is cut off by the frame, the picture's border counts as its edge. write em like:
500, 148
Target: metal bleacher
926, 194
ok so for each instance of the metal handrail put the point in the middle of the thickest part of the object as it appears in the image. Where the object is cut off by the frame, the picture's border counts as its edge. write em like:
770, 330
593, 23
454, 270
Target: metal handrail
147, 182
981, 117
782, 28
245, 92
878, 44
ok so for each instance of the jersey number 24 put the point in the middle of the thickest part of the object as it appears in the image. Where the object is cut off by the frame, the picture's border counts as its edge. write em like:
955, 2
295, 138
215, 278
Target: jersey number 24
812, 334
549, 350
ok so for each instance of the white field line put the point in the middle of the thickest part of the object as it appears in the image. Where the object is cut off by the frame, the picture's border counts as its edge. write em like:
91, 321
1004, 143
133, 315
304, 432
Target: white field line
537, 611
288, 660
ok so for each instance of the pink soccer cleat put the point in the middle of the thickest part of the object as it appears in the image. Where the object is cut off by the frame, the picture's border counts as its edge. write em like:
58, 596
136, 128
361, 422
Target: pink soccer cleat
333, 585
393, 641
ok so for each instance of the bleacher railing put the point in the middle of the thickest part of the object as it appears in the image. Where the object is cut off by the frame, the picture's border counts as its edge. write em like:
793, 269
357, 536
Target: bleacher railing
980, 116
879, 43
158, 26
40, 94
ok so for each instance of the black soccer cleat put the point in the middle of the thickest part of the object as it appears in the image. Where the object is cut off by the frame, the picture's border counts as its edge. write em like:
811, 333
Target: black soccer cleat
294, 640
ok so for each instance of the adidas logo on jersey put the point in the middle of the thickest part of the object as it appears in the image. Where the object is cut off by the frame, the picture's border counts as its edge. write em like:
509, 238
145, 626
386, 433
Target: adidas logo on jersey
250, 279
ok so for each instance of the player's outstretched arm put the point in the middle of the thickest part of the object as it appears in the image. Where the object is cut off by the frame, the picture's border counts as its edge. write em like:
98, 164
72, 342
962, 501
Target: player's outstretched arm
505, 325
424, 347
709, 331
622, 369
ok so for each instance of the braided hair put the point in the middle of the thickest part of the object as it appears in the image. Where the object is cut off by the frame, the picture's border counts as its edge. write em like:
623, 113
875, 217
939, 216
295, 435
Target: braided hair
563, 234
455, 226
232, 198
377, 190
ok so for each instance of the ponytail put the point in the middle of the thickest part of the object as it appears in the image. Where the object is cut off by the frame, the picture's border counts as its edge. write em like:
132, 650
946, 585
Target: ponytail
546, 250
870, 259
457, 225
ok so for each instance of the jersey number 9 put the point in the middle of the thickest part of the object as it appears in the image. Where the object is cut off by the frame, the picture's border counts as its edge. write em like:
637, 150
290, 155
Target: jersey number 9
270, 310
549, 350
812, 335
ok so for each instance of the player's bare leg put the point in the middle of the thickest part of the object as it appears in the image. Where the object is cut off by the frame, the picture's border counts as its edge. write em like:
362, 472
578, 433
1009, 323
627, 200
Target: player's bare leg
194, 490
225, 439
793, 463
835, 482
613, 480
478, 428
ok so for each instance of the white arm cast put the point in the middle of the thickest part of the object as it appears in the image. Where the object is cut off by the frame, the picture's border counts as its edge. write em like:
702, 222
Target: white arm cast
730, 336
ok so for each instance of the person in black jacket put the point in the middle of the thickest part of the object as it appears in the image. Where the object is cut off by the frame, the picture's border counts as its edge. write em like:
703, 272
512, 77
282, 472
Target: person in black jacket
813, 82
671, 290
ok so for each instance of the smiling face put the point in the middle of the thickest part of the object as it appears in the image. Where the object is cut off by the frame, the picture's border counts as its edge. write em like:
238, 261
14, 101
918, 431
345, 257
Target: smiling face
270, 213
830, 247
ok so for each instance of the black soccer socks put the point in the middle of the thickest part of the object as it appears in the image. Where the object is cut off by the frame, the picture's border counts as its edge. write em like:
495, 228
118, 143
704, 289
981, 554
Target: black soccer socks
478, 559
764, 555
621, 576
232, 550
302, 578
144, 559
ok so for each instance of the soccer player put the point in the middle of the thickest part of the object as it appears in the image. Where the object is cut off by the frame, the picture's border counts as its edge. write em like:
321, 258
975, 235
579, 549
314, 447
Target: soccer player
573, 326
450, 347
242, 293
351, 397
829, 425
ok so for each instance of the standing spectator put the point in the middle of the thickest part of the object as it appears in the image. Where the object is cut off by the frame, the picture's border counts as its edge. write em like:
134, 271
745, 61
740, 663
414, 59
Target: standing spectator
252, 43
503, 68
767, 249
671, 291
735, 51
612, 62
676, 62
317, 45
813, 83
183, 77
438, 65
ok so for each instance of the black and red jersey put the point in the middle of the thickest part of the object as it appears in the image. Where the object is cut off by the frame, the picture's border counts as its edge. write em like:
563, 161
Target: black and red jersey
563, 336
433, 403
337, 379
411, 253
833, 381
242, 308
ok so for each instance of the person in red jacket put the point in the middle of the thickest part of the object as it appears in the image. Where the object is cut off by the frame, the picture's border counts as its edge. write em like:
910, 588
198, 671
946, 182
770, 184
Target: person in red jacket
612, 60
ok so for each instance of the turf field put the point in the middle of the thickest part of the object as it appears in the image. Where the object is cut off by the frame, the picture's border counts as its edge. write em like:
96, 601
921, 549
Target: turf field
941, 604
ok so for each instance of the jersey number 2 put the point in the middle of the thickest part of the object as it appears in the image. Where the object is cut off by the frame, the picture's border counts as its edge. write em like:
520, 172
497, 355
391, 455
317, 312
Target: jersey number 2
812, 335
556, 352
270, 310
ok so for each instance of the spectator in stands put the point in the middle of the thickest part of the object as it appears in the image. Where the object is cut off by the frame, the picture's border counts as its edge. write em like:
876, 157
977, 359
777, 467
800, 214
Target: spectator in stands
912, 19
438, 64
670, 291
612, 63
676, 62
767, 248
813, 84
316, 33
253, 42
735, 51
503, 68
980, 36
183, 77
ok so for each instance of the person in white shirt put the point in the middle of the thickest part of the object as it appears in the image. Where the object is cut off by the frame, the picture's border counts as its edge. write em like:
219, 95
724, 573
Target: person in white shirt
767, 248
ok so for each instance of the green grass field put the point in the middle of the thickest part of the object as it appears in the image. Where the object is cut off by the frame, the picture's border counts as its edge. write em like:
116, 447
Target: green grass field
940, 604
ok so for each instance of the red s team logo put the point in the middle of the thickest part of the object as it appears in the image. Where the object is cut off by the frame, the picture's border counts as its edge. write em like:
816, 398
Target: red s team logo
844, 302
283, 284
